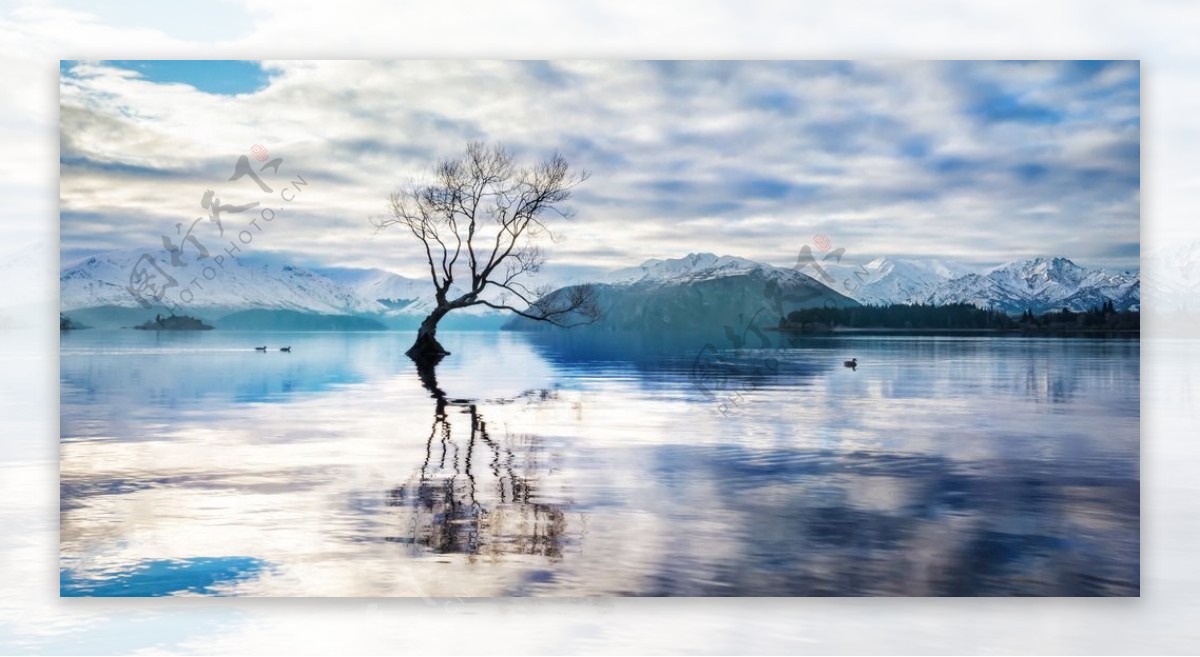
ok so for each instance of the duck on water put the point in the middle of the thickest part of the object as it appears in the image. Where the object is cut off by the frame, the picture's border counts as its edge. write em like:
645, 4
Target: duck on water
852, 363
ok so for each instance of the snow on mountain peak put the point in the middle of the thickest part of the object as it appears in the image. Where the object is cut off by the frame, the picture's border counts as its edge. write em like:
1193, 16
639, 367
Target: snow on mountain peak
893, 280
233, 284
690, 267
1041, 284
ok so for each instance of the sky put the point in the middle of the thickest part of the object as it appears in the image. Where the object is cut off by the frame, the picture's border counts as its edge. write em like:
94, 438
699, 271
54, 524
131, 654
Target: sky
983, 162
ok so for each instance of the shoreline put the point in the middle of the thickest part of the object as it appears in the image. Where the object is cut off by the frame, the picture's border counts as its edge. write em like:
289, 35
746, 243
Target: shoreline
1074, 333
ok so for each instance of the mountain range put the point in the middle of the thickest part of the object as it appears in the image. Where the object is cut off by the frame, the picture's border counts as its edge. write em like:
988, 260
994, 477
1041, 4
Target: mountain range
95, 291
655, 293
1039, 284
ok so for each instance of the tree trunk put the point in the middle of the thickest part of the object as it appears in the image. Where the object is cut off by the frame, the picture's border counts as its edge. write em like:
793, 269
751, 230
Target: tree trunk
426, 349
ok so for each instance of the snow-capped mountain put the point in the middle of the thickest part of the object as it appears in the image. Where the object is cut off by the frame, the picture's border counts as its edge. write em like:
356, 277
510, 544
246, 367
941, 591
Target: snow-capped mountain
1040, 285
391, 291
700, 294
892, 280
234, 285
694, 266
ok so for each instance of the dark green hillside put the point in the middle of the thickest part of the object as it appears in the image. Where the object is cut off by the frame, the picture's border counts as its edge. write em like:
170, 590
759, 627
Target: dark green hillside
706, 306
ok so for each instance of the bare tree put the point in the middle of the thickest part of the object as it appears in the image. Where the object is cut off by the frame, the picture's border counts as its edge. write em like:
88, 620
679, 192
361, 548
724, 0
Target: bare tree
479, 221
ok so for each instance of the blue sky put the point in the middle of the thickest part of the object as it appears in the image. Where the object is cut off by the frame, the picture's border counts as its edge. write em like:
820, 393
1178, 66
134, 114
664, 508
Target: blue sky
984, 162
228, 76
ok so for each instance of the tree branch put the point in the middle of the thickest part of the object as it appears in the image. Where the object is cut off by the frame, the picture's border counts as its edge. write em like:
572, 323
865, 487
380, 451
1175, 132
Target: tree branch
580, 301
483, 189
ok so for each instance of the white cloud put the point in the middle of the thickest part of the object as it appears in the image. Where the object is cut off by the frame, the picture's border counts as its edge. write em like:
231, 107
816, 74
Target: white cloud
719, 149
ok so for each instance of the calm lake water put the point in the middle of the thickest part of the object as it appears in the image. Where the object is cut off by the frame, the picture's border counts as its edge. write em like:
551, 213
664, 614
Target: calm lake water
193, 465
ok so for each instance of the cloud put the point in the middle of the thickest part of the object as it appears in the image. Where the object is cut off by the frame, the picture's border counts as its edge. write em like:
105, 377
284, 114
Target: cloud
750, 158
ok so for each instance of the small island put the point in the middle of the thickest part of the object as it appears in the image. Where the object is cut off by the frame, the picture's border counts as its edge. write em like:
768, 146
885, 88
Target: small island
173, 323
67, 324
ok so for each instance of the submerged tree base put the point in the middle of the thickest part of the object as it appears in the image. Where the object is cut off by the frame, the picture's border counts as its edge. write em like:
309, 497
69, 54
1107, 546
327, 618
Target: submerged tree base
426, 350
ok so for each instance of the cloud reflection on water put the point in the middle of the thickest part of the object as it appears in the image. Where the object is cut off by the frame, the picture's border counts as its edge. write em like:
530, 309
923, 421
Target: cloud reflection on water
949, 467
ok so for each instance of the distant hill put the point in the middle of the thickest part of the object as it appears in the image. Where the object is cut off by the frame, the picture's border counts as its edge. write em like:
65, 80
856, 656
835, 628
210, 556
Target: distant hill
292, 320
115, 317
699, 295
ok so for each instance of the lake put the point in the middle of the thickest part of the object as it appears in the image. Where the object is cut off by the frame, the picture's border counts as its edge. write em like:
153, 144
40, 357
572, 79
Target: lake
193, 465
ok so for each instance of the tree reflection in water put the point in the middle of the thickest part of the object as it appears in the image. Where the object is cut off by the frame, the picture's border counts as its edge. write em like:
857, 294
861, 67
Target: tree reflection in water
475, 494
